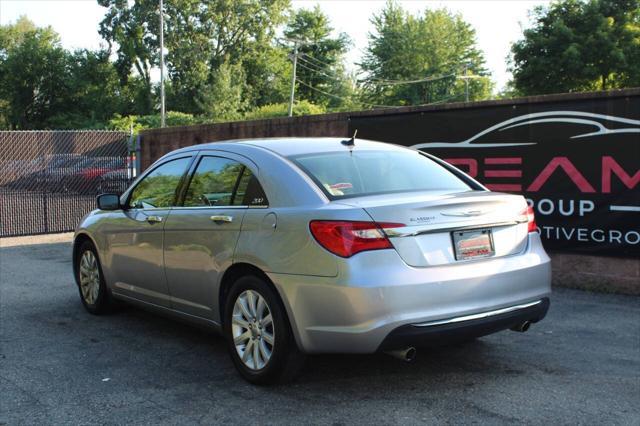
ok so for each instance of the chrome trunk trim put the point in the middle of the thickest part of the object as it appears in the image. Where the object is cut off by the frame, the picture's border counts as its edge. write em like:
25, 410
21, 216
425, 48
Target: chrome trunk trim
411, 231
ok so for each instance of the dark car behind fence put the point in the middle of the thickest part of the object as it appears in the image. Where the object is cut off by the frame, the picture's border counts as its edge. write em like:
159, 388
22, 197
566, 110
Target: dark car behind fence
49, 179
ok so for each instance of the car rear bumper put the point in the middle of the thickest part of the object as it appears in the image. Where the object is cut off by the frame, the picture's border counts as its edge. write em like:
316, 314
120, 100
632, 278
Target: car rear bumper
376, 299
451, 330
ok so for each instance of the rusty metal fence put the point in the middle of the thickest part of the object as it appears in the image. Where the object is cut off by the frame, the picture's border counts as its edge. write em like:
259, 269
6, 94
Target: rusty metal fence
49, 179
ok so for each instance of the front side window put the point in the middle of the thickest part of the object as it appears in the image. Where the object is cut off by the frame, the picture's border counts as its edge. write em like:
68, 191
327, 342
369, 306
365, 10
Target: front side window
158, 188
219, 182
347, 174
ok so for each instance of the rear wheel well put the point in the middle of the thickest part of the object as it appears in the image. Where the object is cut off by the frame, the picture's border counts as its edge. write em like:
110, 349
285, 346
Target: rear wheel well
234, 272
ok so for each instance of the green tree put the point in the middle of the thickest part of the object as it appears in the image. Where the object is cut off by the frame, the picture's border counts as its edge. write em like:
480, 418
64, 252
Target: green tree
43, 86
204, 35
222, 99
268, 75
133, 31
33, 66
579, 45
436, 46
13, 35
93, 92
320, 70
200, 36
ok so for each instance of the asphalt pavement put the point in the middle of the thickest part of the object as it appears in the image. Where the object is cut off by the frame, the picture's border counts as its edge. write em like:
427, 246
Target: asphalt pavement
60, 365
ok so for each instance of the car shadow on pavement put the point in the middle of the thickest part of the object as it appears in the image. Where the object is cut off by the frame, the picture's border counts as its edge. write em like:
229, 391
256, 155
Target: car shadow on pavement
206, 353
43, 310
140, 338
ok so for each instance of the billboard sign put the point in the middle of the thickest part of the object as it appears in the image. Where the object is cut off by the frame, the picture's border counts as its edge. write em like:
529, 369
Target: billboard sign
577, 163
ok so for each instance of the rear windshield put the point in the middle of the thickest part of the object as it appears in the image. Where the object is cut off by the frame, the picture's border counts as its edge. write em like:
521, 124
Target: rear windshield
347, 174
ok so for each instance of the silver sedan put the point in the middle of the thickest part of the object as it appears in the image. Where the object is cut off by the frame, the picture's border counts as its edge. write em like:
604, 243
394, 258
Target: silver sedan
315, 245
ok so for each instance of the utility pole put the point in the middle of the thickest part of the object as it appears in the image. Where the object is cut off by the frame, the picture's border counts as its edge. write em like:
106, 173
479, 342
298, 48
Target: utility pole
293, 77
466, 83
162, 111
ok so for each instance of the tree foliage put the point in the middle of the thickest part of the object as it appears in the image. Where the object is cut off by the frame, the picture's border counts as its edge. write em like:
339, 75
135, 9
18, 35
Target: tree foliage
207, 42
222, 98
579, 45
132, 30
205, 36
434, 44
282, 110
43, 86
136, 123
32, 70
320, 64
225, 61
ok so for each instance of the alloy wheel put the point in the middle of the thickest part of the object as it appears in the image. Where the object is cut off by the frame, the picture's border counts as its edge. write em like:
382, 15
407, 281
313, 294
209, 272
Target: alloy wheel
89, 277
252, 329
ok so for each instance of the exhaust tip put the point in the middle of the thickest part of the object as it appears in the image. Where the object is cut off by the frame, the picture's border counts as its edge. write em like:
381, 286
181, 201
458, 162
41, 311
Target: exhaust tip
407, 354
522, 327
410, 354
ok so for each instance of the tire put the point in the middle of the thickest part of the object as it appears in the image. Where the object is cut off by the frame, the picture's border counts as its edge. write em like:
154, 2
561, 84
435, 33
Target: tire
285, 358
94, 294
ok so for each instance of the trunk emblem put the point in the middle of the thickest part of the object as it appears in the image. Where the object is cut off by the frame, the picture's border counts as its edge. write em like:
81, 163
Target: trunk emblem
467, 213
422, 218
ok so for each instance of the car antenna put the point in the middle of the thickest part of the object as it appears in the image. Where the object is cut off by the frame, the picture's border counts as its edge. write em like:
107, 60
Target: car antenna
352, 141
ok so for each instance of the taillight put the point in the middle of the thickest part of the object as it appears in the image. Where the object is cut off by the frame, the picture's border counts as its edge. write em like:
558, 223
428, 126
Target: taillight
531, 220
346, 238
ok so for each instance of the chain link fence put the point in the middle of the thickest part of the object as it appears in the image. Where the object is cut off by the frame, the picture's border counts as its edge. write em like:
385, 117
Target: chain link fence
49, 179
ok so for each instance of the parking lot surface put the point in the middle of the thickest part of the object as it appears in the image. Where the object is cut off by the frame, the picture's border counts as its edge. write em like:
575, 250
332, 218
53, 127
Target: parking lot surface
60, 365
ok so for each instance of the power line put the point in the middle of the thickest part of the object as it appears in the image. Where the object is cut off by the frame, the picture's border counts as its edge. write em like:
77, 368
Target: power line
382, 62
383, 82
374, 105
302, 64
319, 66
399, 82
339, 97
311, 64
316, 60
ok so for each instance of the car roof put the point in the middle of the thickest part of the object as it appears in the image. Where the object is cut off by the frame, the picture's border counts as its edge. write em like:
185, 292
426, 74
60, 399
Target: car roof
292, 146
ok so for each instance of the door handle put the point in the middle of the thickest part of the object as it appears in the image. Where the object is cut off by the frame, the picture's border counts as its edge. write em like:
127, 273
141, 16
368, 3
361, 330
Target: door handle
154, 219
221, 218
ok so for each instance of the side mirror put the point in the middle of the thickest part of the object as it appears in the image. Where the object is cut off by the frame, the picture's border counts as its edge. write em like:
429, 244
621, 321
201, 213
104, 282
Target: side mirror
108, 202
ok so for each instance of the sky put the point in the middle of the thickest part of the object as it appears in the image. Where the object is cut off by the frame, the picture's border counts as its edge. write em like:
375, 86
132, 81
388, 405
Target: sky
498, 23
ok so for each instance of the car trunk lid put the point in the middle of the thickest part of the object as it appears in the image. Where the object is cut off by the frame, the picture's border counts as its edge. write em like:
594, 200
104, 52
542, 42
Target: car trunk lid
431, 219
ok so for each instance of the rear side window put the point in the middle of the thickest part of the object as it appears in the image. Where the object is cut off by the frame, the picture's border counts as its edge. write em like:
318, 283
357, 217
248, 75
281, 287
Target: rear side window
347, 174
250, 192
